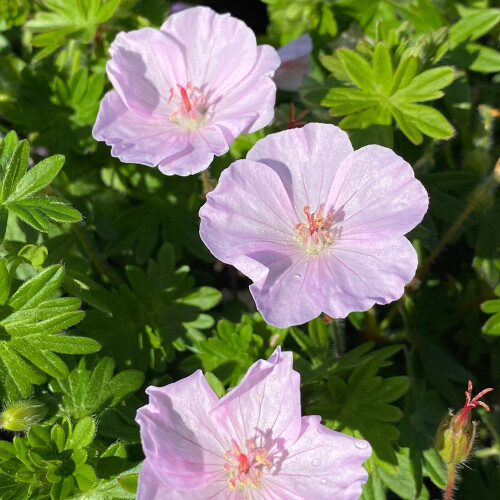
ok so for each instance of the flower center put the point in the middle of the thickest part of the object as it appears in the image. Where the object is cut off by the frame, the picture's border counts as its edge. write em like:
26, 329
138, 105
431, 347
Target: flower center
187, 106
244, 468
318, 232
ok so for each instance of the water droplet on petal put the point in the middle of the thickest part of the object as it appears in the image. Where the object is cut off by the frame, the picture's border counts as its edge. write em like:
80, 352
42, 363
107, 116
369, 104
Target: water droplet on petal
315, 462
296, 277
359, 443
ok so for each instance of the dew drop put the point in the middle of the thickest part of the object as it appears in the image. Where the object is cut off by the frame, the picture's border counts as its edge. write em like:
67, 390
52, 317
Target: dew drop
359, 443
315, 462
296, 277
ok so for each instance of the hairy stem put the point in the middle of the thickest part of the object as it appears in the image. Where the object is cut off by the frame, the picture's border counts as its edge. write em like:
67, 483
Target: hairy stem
207, 187
450, 485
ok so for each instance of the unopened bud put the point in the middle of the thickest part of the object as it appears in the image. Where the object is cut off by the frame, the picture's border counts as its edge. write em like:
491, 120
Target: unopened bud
456, 433
21, 415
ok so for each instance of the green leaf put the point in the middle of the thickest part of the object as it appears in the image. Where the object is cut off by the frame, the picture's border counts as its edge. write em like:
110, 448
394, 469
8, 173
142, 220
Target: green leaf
345, 100
87, 392
15, 170
161, 305
38, 177
425, 86
404, 74
362, 405
428, 120
4, 283
4, 217
486, 59
358, 69
473, 26
38, 211
382, 68
83, 433
30, 321
492, 326
69, 18
7, 146
384, 94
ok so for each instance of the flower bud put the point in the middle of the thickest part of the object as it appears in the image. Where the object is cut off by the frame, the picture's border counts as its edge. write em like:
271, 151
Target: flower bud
456, 433
21, 415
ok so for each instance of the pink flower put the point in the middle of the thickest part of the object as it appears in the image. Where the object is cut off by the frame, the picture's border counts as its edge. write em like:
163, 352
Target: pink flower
251, 444
185, 92
295, 63
316, 226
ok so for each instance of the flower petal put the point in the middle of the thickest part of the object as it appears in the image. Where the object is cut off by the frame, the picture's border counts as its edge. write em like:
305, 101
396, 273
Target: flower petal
134, 139
200, 146
151, 487
306, 159
355, 276
208, 42
295, 63
145, 65
322, 464
248, 213
375, 195
180, 443
250, 105
265, 405
284, 298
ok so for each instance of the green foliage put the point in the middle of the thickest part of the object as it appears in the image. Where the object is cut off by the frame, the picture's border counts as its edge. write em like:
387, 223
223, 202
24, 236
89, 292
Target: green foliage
30, 319
386, 71
388, 88
90, 391
12, 13
18, 185
48, 461
122, 487
292, 19
361, 406
492, 326
161, 307
68, 18
234, 347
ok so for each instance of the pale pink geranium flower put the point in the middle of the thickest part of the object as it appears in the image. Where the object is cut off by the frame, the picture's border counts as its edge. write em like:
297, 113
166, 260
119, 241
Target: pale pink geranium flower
251, 444
295, 63
316, 226
185, 92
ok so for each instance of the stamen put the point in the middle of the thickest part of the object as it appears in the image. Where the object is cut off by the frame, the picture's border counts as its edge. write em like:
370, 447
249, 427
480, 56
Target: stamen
187, 106
245, 467
317, 233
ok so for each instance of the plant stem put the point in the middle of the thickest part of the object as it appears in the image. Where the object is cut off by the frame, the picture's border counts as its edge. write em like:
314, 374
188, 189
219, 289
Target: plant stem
450, 485
338, 339
97, 260
207, 187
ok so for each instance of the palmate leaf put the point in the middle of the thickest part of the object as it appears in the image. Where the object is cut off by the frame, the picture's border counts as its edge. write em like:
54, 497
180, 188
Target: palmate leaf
140, 324
30, 320
49, 462
361, 407
88, 392
18, 185
68, 18
386, 90
234, 347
